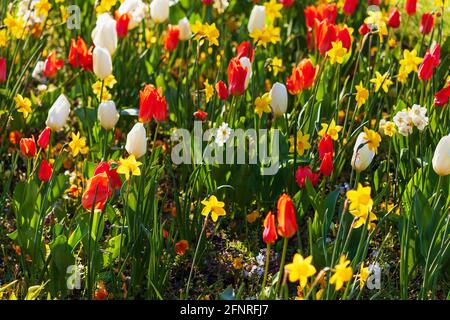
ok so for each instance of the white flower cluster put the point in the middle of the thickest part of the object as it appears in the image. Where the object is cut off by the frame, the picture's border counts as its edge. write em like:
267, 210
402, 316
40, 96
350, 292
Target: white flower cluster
223, 133
405, 120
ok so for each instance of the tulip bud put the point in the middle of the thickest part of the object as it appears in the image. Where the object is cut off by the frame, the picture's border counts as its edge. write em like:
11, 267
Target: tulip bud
28, 147
102, 63
58, 113
411, 7
270, 232
362, 155
257, 19
279, 99
394, 18
45, 171
185, 29
107, 114
159, 10
44, 138
137, 141
222, 90
441, 157
105, 33
2, 70
426, 23
287, 222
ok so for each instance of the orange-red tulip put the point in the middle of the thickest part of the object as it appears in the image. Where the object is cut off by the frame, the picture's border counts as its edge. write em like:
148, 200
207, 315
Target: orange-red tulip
236, 77
113, 176
97, 192
14, 137
181, 247
222, 90
28, 147
152, 104
325, 146
411, 7
287, 222
172, 38
122, 22
326, 167
442, 96
394, 18
302, 77
349, 7
426, 23
200, 115
52, 65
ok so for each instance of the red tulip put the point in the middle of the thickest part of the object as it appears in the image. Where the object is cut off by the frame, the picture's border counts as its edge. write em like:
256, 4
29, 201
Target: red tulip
287, 3
97, 192
87, 63
303, 173
343, 35
328, 12
200, 115
245, 50
207, 2
322, 12
152, 104
310, 13
430, 61
44, 138
442, 96
270, 232
302, 77
113, 176
436, 54
52, 65
364, 29
181, 247
172, 38
410, 7
349, 7
78, 53
426, 23
28, 147
325, 146
236, 77
222, 90
394, 18
287, 222
122, 22
2, 70
324, 35
326, 167
45, 171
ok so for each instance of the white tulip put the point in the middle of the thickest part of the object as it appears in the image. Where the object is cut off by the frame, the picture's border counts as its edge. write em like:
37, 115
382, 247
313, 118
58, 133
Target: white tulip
185, 29
159, 10
107, 114
362, 155
441, 157
105, 33
137, 141
246, 63
279, 99
101, 60
136, 9
58, 113
257, 19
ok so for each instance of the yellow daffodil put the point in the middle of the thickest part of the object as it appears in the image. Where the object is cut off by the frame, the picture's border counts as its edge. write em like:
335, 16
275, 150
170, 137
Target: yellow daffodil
78, 145
272, 9
402, 76
389, 128
331, 129
97, 89
209, 90
276, 65
302, 143
129, 166
42, 7
3, 38
16, 26
361, 206
269, 34
105, 6
213, 206
381, 81
337, 53
362, 94
410, 61
262, 104
377, 21
342, 273
109, 81
300, 269
23, 105
206, 31
373, 139
363, 275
